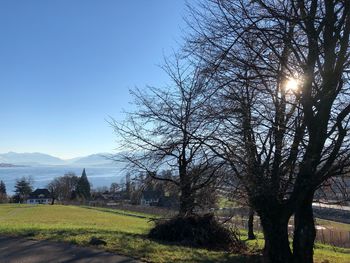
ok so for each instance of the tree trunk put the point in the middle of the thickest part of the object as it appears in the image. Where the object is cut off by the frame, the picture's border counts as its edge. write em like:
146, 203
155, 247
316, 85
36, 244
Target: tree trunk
251, 235
275, 227
304, 232
186, 201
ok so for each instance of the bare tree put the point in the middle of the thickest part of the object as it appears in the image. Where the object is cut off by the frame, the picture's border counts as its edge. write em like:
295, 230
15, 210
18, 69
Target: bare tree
235, 191
284, 106
54, 188
62, 188
114, 188
162, 133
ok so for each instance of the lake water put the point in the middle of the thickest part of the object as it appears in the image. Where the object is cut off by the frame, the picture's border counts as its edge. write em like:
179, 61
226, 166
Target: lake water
98, 176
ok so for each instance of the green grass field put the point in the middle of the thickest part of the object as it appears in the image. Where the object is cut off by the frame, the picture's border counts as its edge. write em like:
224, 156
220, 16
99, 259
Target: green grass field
334, 225
124, 232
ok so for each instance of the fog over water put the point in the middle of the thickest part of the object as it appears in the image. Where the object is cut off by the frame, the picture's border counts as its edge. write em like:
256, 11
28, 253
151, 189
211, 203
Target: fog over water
42, 175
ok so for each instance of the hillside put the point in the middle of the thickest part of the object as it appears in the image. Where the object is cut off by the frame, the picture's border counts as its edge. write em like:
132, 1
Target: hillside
30, 159
124, 233
93, 159
37, 159
9, 165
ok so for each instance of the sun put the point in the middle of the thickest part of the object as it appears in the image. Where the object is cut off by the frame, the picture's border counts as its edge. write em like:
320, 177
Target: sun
292, 85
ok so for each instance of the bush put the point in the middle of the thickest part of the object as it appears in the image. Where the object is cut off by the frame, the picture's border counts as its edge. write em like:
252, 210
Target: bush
197, 231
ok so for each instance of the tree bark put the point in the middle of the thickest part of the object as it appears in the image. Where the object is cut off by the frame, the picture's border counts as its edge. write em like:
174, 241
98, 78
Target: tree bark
275, 229
304, 232
251, 235
186, 201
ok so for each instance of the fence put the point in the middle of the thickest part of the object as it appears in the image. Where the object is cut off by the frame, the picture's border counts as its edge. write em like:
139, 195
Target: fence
339, 238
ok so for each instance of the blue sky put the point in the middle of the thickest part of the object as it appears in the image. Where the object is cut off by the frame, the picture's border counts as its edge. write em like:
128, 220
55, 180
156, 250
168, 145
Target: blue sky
66, 65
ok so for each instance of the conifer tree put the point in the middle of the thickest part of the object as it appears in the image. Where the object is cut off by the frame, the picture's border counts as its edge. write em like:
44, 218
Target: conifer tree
3, 195
2, 188
83, 187
23, 188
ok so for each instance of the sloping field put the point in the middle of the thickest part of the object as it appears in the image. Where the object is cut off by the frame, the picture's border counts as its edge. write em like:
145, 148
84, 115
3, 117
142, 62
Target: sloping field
125, 233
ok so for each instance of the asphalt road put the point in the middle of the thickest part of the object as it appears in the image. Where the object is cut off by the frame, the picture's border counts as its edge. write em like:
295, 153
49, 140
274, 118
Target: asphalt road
21, 250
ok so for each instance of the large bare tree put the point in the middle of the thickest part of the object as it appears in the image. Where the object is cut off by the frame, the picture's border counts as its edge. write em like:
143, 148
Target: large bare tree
283, 109
163, 131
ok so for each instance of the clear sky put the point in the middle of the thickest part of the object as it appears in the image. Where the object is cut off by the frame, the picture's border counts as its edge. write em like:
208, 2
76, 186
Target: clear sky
66, 65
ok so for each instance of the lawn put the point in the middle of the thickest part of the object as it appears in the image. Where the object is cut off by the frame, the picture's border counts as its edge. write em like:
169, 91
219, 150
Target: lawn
124, 232
333, 225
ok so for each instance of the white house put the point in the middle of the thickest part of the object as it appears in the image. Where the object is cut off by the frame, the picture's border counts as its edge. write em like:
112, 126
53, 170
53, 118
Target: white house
39, 196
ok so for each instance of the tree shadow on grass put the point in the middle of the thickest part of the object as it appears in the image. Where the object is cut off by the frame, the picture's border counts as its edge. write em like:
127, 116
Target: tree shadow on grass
174, 252
137, 246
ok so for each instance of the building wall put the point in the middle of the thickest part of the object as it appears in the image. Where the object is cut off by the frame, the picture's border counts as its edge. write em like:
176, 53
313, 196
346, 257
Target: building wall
39, 201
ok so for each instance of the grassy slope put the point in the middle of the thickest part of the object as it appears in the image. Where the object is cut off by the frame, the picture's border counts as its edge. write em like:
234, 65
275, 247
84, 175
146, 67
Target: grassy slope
124, 234
333, 225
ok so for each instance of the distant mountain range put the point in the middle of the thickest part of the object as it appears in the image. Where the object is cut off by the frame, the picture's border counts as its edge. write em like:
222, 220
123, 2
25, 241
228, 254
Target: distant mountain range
7, 165
33, 159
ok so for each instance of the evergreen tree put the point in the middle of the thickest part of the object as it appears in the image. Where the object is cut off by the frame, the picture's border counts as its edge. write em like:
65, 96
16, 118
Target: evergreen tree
3, 195
2, 188
83, 187
23, 188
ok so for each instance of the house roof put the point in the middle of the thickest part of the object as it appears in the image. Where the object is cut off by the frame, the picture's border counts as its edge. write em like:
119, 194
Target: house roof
40, 193
151, 194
